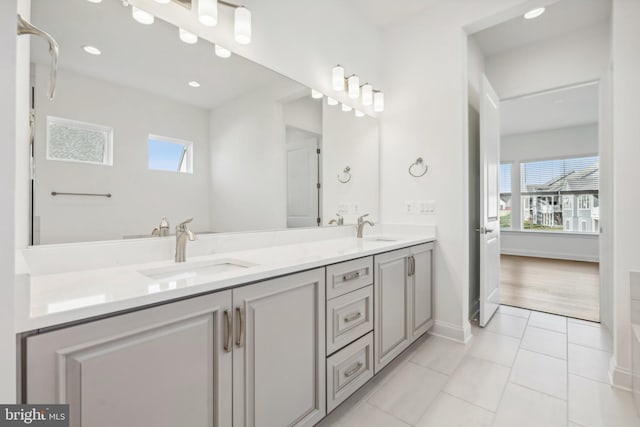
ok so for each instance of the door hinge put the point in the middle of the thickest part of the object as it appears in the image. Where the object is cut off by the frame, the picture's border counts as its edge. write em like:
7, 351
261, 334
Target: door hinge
318, 220
317, 151
318, 185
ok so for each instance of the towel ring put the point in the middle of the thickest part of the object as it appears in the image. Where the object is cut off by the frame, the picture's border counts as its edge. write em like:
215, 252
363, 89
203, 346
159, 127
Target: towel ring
418, 162
345, 173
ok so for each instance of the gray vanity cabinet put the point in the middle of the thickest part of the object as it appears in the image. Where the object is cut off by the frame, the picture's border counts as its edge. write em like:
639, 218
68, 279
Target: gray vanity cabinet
164, 366
402, 300
279, 360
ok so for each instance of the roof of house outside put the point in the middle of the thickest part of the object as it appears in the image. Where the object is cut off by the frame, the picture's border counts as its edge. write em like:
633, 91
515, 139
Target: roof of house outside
587, 180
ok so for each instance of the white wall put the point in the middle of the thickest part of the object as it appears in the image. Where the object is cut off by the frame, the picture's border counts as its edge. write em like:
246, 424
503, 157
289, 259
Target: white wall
426, 115
141, 197
304, 113
349, 141
7, 199
626, 174
575, 57
249, 160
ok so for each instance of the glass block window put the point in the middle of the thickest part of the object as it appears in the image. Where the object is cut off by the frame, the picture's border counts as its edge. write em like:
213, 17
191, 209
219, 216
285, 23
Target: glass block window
170, 154
74, 141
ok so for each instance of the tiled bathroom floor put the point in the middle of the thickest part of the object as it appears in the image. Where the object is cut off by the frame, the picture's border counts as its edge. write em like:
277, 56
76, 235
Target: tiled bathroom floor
525, 368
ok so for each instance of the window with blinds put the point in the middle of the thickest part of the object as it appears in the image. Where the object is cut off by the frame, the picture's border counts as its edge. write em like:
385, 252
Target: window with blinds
561, 195
505, 195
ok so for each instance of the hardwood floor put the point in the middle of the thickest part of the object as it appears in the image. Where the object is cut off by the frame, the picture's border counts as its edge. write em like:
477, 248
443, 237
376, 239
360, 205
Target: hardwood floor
567, 288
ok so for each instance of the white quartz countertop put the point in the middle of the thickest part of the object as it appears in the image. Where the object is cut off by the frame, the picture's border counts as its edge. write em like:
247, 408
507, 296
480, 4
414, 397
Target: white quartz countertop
52, 299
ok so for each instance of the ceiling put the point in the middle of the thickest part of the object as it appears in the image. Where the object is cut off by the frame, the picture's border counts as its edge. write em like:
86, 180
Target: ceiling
384, 13
550, 110
150, 58
560, 18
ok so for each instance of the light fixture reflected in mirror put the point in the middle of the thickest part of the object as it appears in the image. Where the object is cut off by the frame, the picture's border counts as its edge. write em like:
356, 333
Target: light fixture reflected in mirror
142, 16
316, 94
332, 101
187, 36
367, 94
222, 52
359, 113
346, 108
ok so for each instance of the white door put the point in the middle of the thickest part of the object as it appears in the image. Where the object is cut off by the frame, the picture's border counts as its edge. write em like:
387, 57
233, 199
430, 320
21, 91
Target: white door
302, 178
489, 201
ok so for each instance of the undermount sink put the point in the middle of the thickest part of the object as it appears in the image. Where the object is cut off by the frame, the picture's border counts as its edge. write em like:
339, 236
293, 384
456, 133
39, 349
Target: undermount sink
195, 269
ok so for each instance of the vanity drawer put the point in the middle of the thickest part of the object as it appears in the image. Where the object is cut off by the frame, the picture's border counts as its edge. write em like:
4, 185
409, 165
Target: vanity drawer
349, 276
348, 370
348, 317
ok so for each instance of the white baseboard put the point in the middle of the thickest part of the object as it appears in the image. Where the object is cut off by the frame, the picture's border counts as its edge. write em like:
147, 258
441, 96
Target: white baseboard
461, 334
620, 377
553, 255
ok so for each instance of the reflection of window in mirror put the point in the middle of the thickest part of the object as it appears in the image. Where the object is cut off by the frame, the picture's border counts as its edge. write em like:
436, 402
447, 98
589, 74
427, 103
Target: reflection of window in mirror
170, 154
75, 141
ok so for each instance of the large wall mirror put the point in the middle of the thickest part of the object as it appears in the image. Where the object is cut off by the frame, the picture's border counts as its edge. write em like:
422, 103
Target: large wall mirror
145, 126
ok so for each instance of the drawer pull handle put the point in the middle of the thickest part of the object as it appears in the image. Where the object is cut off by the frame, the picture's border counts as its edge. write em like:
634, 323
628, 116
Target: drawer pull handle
353, 316
351, 372
351, 276
229, 334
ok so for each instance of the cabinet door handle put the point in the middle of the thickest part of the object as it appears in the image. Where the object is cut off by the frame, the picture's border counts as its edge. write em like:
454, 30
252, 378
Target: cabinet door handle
240, 340
352, 371
351, 276
412, 266
353, 316
228, 340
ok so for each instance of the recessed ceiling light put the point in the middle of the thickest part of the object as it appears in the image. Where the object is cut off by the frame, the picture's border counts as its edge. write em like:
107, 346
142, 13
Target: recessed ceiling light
91, 49
194, 83
534, 13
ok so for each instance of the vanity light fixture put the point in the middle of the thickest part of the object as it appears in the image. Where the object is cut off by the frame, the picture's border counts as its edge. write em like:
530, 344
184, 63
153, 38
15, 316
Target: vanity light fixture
91, 49
188, 37
367, 94
142, 16
242, 25
337, 78
534, 13
194, 83
359, 113
316, 94
353, 83
207, 12
378, 101
346, 108
222, 52
331, 101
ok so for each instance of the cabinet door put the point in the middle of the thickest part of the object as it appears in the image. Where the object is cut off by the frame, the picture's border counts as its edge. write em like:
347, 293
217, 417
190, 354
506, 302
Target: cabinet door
279, 353
420, 282
391, 304
164, 366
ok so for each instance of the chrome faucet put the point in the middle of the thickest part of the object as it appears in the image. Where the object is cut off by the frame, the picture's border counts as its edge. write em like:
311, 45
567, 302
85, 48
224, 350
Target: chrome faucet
361, 224
338, 221
163, 229
182, 235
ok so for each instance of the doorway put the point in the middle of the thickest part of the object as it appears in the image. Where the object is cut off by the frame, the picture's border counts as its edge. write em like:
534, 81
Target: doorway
303, 178
552, 204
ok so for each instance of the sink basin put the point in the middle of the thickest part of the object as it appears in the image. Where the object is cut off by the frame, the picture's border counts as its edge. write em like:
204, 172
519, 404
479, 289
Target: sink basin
380, 239
195, 269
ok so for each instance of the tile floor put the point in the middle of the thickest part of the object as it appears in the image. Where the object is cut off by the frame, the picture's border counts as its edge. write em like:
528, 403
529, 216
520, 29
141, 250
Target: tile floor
524, 369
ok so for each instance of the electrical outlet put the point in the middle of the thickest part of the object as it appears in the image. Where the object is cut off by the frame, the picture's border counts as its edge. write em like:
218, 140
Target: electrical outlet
430, 207
410, 207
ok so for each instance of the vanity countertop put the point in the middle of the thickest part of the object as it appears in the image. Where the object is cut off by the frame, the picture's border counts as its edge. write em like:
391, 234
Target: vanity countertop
47, 300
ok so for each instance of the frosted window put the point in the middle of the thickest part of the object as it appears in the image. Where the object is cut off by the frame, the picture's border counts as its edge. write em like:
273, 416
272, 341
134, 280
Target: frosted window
70, 140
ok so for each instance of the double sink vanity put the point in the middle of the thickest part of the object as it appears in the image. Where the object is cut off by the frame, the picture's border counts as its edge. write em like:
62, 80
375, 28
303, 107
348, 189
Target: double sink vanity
271, 335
